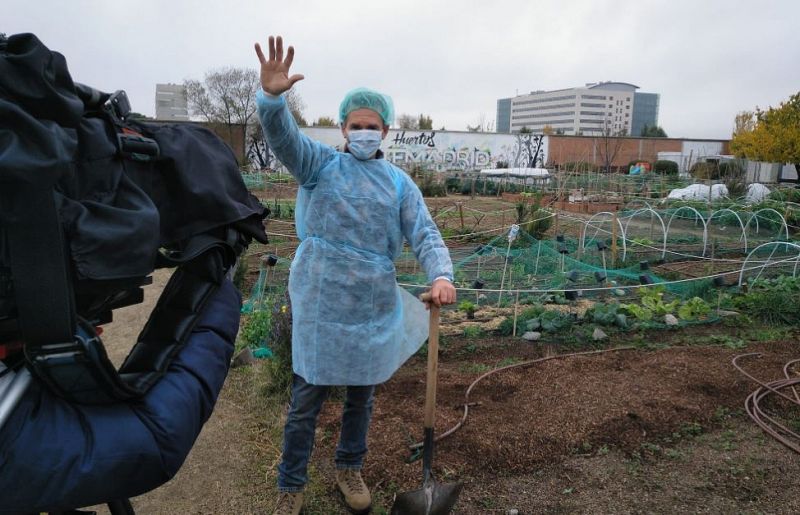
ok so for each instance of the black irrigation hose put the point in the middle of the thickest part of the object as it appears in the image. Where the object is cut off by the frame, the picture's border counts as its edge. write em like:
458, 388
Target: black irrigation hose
768, 424
467, 404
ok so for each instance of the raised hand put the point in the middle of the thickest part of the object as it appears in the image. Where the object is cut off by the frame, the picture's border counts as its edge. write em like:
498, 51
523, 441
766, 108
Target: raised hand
275, 77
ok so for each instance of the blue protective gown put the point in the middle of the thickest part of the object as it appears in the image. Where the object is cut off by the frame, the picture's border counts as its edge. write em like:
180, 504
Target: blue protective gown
349, 324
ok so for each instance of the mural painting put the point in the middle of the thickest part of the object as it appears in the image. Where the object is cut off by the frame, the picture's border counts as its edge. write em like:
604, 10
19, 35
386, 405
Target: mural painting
440, 151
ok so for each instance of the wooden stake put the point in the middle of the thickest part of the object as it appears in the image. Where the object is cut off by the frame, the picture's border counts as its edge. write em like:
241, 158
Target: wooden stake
516, 307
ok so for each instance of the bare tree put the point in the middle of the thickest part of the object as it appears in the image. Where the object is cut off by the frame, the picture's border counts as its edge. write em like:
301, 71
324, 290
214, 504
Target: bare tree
425, 122
608, 145
408, 122
257, 149
325, 121
296, 106
224, 97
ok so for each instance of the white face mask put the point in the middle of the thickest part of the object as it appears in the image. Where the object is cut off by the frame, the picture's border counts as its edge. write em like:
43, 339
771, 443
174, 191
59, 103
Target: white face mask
364, 143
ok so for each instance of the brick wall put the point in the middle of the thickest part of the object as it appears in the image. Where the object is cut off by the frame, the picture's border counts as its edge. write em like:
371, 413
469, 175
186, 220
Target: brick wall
593, 149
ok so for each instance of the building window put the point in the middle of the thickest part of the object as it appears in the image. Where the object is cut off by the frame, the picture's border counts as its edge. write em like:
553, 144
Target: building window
540, 100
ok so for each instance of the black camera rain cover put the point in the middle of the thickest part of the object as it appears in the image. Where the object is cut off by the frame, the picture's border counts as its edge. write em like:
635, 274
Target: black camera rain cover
116, 212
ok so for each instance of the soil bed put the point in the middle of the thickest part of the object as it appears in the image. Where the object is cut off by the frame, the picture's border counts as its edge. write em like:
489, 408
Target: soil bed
530, 418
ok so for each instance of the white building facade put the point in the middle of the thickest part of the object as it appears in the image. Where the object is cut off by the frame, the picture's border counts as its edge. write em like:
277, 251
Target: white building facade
171, 102
600, 108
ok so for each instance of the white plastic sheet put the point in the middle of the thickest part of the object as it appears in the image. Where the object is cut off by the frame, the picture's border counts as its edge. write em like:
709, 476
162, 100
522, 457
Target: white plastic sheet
699, 192
756, 192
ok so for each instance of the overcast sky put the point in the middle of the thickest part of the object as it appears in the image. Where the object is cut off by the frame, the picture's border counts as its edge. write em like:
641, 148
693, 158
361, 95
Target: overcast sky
451, 60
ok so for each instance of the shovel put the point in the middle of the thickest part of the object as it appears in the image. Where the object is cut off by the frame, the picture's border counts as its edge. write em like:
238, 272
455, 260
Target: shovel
433, 498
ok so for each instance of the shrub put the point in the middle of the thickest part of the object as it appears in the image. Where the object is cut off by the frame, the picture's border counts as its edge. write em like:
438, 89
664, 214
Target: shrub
472, 331
772, 300
481, 187
665, 167
532, 219
279, 367
730, 168
453, 185
506, 327
430, 186
466, 305
256, 329
733, 176
786, 195
704, 171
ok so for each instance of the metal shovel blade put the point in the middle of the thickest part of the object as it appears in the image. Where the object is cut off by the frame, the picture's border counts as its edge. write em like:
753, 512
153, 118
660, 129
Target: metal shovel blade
432, 499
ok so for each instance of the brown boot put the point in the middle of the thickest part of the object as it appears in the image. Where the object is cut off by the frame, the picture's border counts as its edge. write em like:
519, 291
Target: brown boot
355, 492
289, 503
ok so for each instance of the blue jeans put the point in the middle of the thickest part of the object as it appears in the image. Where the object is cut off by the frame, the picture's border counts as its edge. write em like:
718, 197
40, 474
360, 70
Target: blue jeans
301, 423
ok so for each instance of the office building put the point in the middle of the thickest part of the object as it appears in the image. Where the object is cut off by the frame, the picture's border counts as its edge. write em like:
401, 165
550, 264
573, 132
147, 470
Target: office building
599, 108
171, 102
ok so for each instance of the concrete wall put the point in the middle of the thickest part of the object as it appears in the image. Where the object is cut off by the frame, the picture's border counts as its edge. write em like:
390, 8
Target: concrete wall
452, 151
445, 151
758, 171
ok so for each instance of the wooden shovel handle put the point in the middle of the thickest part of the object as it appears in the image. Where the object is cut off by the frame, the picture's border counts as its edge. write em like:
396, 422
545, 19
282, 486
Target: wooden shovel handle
433, 362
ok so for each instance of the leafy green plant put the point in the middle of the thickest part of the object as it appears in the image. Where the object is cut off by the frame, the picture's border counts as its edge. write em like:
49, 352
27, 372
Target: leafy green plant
474, 368
468, 308
532, 312
506, 327
653, 299
729, 342
553, 321
609, 314
256, 328
772, 300
473, 331
693, 309
639, 312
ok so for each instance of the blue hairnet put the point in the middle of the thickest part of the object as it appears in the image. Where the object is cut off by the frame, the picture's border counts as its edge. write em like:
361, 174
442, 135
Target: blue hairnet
365, 98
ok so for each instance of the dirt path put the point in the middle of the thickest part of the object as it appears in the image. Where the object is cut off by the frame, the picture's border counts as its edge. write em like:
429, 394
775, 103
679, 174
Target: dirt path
221, 474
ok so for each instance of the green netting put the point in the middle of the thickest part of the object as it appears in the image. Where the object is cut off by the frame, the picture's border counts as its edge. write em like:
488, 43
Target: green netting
528, 268
271, 283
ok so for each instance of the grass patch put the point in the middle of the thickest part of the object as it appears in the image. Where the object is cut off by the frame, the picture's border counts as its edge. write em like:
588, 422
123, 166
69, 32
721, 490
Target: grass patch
473, 368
